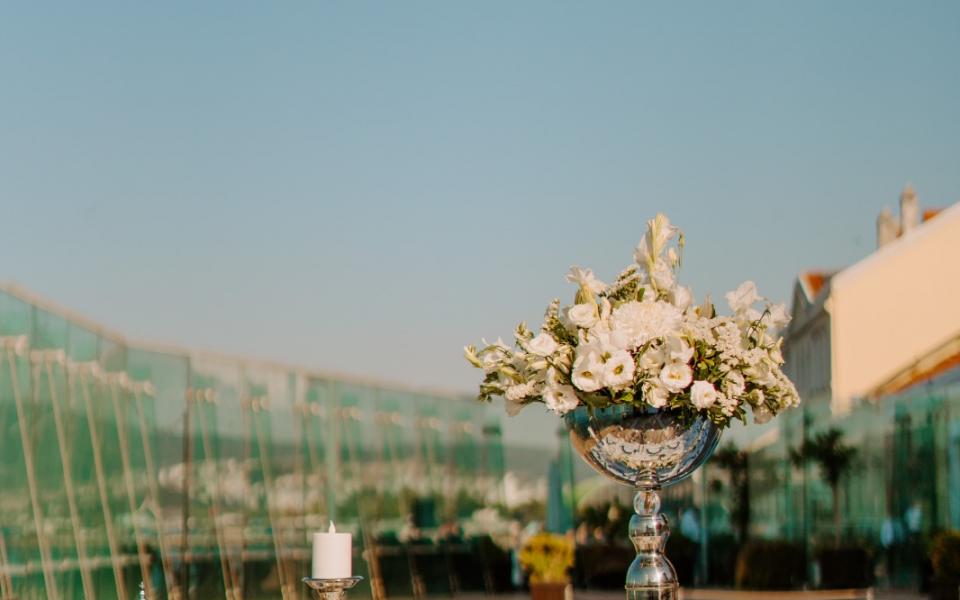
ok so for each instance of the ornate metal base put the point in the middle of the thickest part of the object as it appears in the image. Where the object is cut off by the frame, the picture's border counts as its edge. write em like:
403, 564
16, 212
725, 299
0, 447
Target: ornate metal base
331, 589
650, 576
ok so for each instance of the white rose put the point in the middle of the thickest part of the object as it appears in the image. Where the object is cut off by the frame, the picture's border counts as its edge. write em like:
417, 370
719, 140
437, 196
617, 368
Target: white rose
543, 345
743, 297
587, 372
703, 394
561, 399
618, 370
583, 315
676, 376
655, 395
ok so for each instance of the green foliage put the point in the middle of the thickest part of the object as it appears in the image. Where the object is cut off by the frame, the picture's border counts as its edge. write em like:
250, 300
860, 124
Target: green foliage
834, 458
828, 450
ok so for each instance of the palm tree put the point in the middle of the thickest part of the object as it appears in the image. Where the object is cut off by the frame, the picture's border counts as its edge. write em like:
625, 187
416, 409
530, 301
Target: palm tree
834, 458
736, 462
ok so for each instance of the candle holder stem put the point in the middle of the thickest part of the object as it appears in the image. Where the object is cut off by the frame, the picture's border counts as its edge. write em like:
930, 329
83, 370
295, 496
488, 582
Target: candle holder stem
331, 589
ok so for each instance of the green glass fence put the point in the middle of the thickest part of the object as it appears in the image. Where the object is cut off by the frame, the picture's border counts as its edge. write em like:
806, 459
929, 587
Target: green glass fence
202, 476
902, 488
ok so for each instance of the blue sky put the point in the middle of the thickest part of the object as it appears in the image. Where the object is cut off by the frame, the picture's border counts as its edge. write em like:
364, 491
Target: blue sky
368, 186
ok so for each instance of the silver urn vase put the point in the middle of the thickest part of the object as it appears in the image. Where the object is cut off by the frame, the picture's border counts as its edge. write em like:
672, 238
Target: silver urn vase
647, 449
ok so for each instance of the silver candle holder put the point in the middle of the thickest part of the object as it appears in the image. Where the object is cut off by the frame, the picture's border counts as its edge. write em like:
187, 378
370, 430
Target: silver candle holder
331, 589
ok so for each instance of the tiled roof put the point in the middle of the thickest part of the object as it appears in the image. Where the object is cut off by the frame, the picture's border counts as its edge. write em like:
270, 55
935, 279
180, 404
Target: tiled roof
813, 282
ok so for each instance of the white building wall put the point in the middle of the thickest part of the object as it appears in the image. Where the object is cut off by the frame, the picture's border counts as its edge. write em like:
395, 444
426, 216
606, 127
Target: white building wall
893, 307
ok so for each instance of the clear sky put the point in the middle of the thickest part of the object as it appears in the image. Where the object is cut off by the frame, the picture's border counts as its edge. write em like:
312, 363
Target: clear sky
366, 187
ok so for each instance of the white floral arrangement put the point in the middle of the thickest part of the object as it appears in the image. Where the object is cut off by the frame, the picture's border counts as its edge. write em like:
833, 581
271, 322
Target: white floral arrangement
643, 341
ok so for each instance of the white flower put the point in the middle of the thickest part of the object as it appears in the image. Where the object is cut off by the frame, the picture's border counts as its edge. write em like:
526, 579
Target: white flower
673, 259
662, 276
561, 399
703, 394
728, 405
678, 349
734, 384
587, 372
552, 378
543, 345
513, 408
586, 280
583, 315
641, 322
676, 376
520, 391
743, 297
682, 297
776, 352
652, 360
618, 370
761, 414
755, 398
602, 339
778, 317
653, 242
655, 395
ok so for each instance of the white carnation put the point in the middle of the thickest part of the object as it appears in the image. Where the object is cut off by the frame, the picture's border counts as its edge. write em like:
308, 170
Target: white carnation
703, 394
641, 322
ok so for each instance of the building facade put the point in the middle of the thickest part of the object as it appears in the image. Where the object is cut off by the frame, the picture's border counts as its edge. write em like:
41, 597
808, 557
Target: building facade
201, 475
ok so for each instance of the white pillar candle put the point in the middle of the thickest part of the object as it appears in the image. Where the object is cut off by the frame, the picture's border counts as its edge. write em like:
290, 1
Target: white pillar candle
332, 554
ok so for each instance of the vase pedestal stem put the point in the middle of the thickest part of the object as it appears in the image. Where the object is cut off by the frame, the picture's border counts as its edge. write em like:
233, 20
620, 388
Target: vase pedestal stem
650, 576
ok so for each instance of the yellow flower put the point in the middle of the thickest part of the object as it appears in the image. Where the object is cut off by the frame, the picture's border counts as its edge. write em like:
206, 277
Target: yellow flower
547, 557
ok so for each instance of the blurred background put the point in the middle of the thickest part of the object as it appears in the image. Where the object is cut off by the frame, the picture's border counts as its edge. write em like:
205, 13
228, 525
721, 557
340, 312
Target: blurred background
244, 244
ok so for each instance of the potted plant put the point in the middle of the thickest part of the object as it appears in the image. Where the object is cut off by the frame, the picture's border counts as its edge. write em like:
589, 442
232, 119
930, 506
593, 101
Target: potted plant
547, 558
